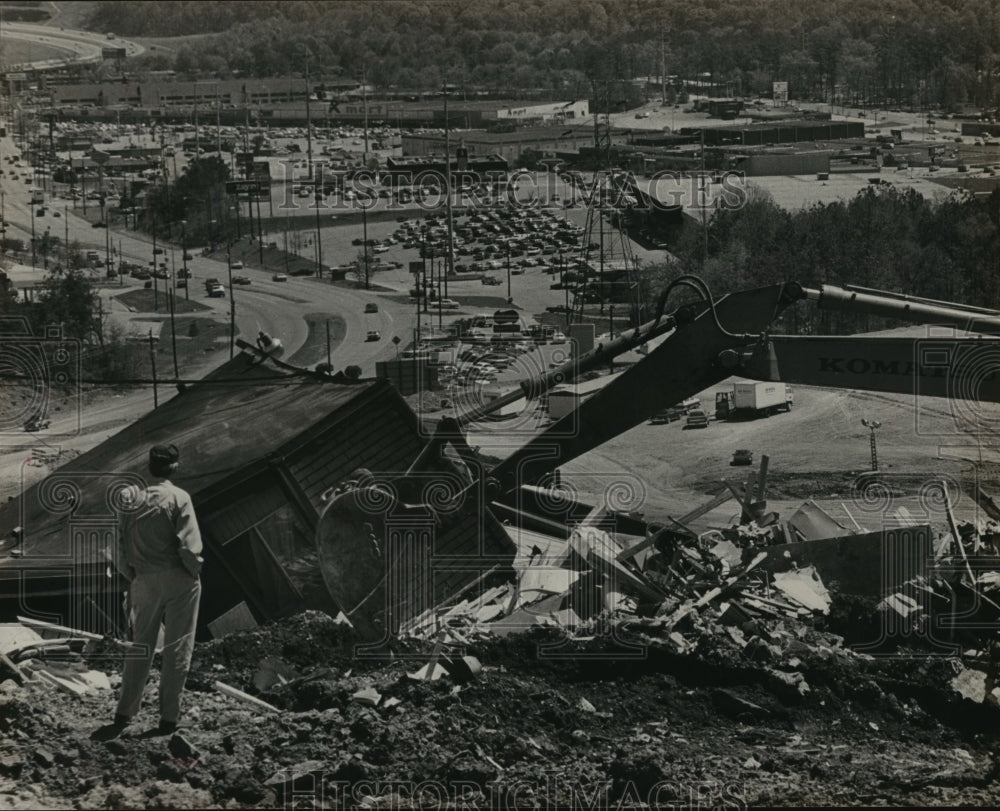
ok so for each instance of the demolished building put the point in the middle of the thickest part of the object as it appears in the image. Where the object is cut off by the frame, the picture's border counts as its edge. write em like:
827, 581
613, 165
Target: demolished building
262, 446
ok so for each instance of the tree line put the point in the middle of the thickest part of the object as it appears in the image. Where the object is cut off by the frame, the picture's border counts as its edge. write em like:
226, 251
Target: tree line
883, 238
934, 53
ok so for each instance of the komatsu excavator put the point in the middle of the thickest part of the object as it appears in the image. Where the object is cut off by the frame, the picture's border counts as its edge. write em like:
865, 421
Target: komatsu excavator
369, 566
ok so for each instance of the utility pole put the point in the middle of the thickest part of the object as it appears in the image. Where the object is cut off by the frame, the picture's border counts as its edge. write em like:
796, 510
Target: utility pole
364, 97
232, 300
364, 247
510, 298
600, 220
184, 260
318, 199
260, 230
704, 205
449, 267
32, 236
152, 360
155, 287
173, 323
663, 68
309, 149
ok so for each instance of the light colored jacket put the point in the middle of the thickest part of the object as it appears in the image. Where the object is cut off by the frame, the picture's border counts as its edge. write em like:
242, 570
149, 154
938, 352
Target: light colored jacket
158, 531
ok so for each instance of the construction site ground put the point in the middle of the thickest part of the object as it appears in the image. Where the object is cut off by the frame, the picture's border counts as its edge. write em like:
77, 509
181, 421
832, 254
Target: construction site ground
586, 728
596, 725
711, 727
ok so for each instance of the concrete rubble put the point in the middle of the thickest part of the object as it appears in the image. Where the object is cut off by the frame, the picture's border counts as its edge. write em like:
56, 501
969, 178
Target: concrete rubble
746, 627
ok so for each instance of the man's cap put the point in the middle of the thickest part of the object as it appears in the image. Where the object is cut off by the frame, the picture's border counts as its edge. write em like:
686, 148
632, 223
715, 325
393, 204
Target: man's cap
164, 454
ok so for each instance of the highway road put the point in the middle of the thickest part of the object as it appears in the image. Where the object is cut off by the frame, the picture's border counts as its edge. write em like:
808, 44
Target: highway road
279, 308
80, 46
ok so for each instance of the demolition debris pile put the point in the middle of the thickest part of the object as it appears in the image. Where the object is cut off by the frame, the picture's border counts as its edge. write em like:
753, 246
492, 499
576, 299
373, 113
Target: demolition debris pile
645, 672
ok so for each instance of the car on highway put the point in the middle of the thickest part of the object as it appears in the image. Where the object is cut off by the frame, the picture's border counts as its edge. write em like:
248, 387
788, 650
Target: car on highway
742, 457
448, 304
373, 335
371, 307
279, 277
182, 283
217, 291
237, 265
241, 280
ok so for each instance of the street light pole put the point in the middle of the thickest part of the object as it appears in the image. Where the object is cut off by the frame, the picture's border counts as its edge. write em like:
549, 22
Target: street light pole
232, 299
873, 425
187, 276
449, 268
155, 286
309, 149
318, 201
364, 247
510, 298
173, 323
32, 236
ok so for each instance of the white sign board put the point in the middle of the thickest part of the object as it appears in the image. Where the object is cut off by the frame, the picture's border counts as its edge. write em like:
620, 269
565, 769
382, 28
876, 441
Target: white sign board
779, 92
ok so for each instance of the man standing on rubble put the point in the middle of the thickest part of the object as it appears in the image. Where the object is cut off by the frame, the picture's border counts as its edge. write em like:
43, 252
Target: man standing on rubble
160, 553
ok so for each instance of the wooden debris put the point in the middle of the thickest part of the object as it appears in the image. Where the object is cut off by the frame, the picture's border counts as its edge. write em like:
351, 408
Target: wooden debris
48, 626
368, 696
232, 692
804, 587
13, 667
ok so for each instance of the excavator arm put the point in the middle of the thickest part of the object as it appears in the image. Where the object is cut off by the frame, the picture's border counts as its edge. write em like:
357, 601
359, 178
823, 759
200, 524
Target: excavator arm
730, 338
703, 344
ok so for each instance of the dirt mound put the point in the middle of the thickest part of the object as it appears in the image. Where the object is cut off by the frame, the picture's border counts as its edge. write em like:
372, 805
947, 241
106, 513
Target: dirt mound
784, 716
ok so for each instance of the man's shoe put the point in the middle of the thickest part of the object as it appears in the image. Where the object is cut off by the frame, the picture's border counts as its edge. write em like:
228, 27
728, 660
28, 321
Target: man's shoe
109, 732
162, 730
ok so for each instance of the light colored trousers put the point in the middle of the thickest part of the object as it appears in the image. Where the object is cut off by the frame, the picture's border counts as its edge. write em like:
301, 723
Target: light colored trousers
170, 598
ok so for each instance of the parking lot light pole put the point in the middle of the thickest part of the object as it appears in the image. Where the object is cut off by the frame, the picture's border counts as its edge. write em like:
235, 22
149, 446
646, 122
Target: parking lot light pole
184, 253
873, 425
173, 323
510, 298
155, 285
32, 235
232, 299
364, 237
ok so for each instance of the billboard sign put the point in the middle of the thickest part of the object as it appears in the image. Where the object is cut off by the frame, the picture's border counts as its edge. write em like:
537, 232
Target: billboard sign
779, 92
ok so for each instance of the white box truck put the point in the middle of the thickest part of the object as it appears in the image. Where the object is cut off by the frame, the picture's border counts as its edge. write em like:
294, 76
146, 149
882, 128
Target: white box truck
753, 399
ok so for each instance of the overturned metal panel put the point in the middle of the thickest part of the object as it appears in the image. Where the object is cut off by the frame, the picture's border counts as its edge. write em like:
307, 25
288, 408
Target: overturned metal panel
871, 564
814, 523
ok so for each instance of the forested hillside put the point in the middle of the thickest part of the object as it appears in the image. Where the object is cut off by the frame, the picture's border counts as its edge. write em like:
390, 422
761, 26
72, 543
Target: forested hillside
940, 52
886, 238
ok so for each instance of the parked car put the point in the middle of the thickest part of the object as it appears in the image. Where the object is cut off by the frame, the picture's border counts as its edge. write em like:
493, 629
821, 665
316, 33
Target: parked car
217, 291
241, 280
371, 307
448, 304
697, 418
373, 335
279, 277
742, 457
237, 265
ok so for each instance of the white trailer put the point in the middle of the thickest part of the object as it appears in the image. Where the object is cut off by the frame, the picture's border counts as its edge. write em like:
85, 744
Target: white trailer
753, 399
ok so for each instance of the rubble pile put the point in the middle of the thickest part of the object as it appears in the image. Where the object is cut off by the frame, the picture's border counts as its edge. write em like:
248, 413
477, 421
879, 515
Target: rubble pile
616, 671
